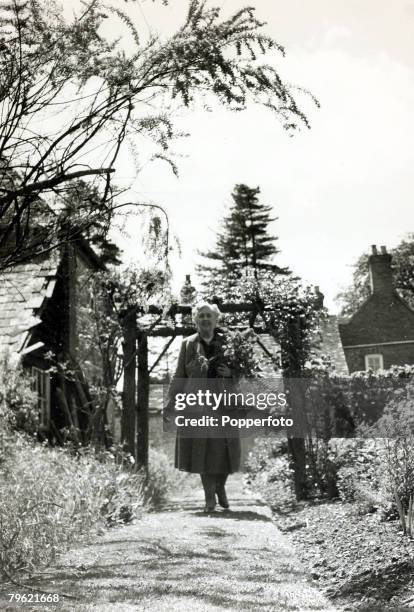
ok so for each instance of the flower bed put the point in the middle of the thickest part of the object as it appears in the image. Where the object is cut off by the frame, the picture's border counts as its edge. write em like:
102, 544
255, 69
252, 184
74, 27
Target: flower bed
359, 561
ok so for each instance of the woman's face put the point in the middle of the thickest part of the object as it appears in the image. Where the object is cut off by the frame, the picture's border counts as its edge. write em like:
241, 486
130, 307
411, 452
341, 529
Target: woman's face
206, 321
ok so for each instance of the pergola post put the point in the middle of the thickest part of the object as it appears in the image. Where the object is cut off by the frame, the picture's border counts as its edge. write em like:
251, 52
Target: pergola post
129, 327
142, 400
292, 368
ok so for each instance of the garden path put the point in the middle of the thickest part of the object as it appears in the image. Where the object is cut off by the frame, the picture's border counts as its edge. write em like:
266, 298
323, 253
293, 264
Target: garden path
182, 560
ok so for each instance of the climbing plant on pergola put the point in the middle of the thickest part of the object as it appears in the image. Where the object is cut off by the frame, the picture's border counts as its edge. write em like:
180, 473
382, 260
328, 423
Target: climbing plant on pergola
280, 307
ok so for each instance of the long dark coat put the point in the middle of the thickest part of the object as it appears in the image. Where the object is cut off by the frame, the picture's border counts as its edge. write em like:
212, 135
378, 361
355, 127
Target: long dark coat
209, 454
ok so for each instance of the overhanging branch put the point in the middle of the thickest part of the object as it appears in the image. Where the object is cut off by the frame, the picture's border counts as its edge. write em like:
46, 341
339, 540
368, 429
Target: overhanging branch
53, 182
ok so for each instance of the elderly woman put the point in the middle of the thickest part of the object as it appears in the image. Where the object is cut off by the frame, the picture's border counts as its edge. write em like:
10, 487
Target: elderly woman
213, 456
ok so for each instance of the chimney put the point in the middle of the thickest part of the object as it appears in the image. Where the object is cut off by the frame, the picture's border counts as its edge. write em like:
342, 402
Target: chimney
188, 292
380, 273
319, 296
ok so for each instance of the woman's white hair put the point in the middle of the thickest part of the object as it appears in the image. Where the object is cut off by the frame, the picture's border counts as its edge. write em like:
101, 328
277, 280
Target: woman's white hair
211, 307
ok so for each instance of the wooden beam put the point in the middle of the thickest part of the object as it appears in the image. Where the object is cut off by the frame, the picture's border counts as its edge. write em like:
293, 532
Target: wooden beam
142, 401
161, 355
32, 347
292, 368
166, 330
266, 351
225, 307
129, 385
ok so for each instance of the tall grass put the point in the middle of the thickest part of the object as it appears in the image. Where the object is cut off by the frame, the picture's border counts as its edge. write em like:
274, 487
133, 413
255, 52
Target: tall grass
51, 498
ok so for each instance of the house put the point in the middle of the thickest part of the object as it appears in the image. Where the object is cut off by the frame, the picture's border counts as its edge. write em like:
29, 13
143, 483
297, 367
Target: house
381, 332
330, 344
44, 325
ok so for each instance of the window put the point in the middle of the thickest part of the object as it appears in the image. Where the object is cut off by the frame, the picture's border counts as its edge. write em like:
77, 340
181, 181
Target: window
374, 362
41, 385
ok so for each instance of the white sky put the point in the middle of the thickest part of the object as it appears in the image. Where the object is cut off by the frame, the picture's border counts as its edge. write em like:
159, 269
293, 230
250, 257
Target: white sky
338, 188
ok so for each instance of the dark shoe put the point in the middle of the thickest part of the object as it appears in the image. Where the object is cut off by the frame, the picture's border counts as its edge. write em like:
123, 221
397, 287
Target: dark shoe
222, 497
209, 485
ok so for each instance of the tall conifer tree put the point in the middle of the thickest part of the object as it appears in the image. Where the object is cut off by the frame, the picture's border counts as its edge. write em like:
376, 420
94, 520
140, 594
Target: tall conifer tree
243, 245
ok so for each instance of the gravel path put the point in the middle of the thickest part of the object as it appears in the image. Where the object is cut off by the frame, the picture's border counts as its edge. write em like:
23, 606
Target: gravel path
183, 560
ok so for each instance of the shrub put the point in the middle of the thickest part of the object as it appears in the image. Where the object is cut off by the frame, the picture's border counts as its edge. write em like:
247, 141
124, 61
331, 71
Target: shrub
351, 465
270, 473
359, 469
369, 392
347, 406
321, 468
50, 498
396, 428
162, 478
18, 402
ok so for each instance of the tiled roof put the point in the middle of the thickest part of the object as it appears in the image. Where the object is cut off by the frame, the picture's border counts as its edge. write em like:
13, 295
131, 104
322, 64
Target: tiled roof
381, 318
23, 292
331, 344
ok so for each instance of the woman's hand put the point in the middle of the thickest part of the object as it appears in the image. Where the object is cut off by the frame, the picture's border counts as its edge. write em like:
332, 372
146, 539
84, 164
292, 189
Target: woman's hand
224, 371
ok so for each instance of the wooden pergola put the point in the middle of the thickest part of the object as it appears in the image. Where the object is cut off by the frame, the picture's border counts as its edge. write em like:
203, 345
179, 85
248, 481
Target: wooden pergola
137, 371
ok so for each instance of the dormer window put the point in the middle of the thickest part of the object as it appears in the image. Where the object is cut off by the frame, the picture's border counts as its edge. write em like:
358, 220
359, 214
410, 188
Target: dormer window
374, 362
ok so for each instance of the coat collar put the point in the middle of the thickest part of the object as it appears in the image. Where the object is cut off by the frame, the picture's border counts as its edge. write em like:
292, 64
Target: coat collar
218, 337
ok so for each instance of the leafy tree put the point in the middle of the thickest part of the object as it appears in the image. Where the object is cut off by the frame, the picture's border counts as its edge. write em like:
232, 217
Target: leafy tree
71, 98
243, 246
352, 297
403, 270
82, 200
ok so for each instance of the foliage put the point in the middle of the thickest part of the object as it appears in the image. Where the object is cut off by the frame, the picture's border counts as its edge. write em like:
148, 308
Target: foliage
320, 468
80, 201
290, 313
272, 468
403, 271
286, 308
365, 470
337, 404
105, 94
107, 297
378, 464
18, 401
358, 463
236, 351
162, 478
243, 245
369, 392
352, 297
352, 467
137, 287
50, 498
269, 472
240, 355
327, 406
406, 521
396, 428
